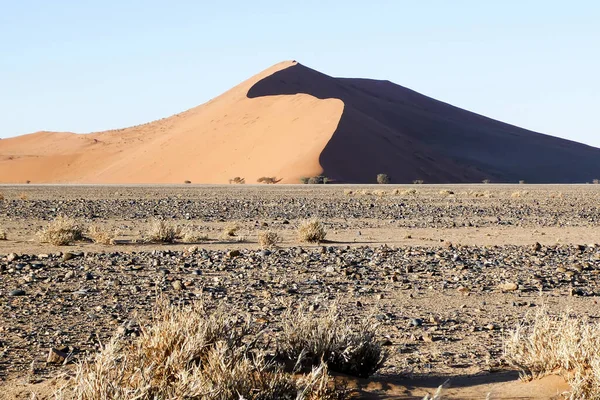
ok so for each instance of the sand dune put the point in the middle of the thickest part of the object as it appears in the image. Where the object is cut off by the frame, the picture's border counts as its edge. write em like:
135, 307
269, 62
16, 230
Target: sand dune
290, 121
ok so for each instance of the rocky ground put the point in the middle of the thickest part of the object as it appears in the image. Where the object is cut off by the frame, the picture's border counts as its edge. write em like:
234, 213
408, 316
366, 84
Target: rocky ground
442, 306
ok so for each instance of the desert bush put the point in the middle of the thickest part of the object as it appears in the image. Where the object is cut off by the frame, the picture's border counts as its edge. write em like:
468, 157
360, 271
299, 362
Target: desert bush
304, 180
61, 231
596, 181
189, 235
187, 182
347, 348
318, 180
418, 182
231, 233
161, 231
268, 180
237, 180
311, 231
563, 344
521, 182
383, 179
190, 353
486, 181
268, 239
101, 235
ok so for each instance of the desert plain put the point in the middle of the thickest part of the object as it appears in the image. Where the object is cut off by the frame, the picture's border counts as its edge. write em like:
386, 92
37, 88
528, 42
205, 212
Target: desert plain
444, 272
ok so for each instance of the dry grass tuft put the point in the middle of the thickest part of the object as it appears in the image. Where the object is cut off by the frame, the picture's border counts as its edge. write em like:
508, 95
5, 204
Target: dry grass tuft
23, 196
61, 231
237, 180
558, 344
2, 234
311, 231
101, 235
189, 235
231, 233
268, 239
191, 353
345, 347
161, 231
268, 180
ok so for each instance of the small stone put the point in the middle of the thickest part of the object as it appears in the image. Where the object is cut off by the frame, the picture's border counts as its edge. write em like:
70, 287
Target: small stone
177, 285
89, 276
11, 257
508, 287
17, 292
233, 253
56, 356
416, 322
67, 256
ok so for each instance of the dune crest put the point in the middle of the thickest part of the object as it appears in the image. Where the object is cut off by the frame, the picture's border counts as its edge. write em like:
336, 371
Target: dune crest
291, 121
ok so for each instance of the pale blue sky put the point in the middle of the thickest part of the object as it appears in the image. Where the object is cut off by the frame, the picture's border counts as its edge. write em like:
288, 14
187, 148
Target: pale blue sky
85, 65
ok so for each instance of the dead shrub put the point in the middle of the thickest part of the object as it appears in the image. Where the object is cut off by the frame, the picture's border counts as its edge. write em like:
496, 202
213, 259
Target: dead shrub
101, 235
563, 344
268, 180
268, 239
347, 348
383, 179
161, 231
189, 235
61, 231
190, 353
311, 231
237, 181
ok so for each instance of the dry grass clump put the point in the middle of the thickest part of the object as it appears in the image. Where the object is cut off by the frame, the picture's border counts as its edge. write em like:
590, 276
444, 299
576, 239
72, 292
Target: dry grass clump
311, 231
237, 180
189, 235
61, 231
231, 233
190, 353
345, 347
161, 231
268, 239
446, 192
101, 235
268, 180
562, 345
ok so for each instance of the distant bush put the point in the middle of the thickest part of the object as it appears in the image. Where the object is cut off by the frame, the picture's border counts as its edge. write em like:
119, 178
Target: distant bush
237, 180
268, 239
383, 179
521, 182
304, 180
101, 235
418, 182
596, 181
311, 231
486, 181
61, 232
187, 182
268, 180
318, 180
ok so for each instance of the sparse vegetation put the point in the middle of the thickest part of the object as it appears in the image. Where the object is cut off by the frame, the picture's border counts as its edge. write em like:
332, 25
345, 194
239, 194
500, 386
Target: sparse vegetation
383, 179
345, 347
161, 231
61, 231
311, 231
268, 180
237, 180
191, 353
304, 180
189, 235
562, 344
268, 239
318, 180
101, 235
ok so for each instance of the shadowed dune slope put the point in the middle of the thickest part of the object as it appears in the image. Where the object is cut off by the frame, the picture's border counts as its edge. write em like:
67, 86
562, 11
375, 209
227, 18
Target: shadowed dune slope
290, 121
386, 128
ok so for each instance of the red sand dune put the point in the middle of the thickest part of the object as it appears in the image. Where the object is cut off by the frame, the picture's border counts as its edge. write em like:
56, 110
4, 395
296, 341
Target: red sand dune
290, 121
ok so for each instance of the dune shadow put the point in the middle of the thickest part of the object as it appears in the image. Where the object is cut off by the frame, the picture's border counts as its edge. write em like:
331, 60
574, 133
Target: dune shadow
387, 128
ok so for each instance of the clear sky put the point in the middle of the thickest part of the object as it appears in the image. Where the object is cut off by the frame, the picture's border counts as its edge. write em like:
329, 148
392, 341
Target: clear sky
83, 65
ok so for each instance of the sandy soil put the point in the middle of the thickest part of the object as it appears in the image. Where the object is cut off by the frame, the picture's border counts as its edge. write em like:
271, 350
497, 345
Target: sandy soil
400, 256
